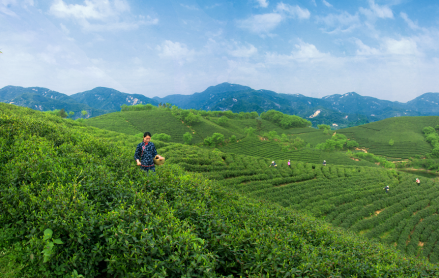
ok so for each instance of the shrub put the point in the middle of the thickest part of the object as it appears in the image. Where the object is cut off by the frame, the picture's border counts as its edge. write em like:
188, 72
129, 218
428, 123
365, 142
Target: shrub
187, 137
161, 137
223, 120
391, 142
427, 130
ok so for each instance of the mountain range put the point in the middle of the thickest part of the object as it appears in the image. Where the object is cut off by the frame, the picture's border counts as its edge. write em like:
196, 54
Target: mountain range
338, 110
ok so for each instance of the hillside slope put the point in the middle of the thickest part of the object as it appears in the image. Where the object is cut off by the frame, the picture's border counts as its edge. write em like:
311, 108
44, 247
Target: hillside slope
351, 197
107, 218
406, 132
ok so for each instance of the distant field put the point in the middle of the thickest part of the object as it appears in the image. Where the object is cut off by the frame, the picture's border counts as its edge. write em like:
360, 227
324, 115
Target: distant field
135, 122
113, 121
405, 131
351, 197
253, 146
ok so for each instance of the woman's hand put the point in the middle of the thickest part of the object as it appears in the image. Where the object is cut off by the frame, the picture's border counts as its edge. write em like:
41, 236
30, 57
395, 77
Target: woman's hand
159, 157
138, 163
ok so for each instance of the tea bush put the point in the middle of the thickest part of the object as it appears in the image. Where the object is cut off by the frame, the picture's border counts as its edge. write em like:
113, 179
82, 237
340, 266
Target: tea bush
113, 220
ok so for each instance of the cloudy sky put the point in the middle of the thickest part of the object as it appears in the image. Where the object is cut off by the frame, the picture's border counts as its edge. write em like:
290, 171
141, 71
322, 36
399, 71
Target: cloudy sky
387, 49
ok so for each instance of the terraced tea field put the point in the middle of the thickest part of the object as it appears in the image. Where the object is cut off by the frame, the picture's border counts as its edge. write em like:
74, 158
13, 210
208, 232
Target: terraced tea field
252, 146
351, 197
405, 131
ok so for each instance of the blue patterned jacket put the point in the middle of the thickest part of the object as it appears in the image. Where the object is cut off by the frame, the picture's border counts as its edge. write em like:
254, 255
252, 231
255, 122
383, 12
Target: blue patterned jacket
145, 153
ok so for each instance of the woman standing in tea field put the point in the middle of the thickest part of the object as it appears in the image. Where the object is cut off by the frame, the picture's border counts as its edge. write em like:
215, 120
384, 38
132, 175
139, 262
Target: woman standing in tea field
145, 154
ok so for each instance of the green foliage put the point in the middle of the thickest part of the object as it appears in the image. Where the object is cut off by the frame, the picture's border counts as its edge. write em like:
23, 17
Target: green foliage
249, 131
323, 127
187, 137
336, 142
391, 142
376, 159
351, 144
191, 118
283, 120
405, 131
223, 120
138, 107
271, 135
61, 113
161, 137
232, 139
48, 250
116, 221
433, 138
427, 130
215, 140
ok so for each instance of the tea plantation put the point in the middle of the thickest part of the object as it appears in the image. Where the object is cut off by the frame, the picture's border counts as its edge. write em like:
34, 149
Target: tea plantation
72, 204
406, 132
351, 197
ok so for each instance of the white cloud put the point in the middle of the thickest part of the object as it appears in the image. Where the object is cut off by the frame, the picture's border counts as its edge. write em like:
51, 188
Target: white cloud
242, 51
190, 7
261, 23
376, 11
98, 10
364, 50
265, 23
390, 47
326, 4
294, 11
404, 46
343, 22
262, 3
307, 51
175, 50
303, 53
92, 11
5, 6
409, 22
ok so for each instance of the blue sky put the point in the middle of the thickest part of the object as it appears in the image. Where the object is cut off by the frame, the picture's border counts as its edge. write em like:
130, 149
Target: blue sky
387, 49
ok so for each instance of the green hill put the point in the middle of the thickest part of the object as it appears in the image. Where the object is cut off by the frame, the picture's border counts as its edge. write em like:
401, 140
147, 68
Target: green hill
405, 131
109, 219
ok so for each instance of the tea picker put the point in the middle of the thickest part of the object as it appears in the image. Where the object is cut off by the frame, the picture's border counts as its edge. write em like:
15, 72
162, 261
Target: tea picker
146, 154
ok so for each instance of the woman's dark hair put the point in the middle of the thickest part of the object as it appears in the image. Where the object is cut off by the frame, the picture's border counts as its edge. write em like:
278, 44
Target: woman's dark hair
146, 134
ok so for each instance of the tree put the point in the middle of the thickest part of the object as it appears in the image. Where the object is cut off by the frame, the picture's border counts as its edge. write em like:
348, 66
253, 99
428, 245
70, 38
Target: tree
217, 139
62, 113
208, 141
71, 113
391, 142
191, 118
322, 126
223, 120
249, 130
161, 137
187, 137
258, 124
84, 113
232, 139
427, 130
352, 144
